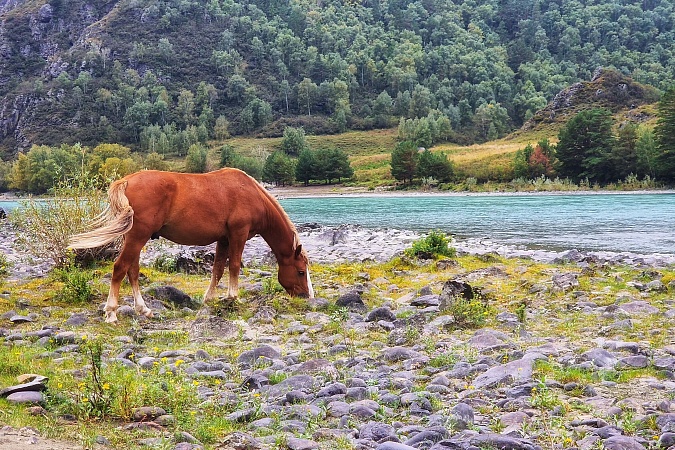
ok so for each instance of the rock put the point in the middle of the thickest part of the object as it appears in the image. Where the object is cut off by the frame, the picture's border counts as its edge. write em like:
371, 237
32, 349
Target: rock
622, 443
242, 441
565, 281
376, 431
20, 319
381, 313
146, 413
666, 440
493, 440
452, 290
173, 296
517, 371
666, 422
352, 301
77, 320
250, 357
394, 446
600, 358
37, 385
638, 308
32, 397
294, 443
462, 416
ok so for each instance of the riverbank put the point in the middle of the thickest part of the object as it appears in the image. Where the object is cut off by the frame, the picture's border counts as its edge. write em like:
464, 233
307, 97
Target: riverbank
571, 355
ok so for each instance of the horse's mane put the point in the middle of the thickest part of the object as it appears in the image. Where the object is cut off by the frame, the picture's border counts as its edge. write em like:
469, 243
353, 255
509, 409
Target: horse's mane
280, 210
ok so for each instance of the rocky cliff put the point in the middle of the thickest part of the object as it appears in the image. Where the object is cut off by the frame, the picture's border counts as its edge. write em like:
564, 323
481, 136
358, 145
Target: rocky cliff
607, 89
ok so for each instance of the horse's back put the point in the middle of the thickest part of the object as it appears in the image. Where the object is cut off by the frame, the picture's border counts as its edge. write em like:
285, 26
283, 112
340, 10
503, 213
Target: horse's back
194, 208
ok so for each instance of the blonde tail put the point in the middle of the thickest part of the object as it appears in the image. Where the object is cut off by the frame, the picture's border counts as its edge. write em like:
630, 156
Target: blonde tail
115, 221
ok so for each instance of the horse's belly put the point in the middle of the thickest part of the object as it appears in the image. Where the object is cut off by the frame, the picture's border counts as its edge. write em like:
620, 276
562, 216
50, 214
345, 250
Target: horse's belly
190, 237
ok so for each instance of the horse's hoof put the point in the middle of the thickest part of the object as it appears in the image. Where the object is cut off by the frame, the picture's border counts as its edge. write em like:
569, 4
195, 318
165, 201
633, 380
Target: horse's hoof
110, 317
145, 311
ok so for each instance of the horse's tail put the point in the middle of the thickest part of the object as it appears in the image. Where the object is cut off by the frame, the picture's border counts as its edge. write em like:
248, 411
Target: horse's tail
116, 220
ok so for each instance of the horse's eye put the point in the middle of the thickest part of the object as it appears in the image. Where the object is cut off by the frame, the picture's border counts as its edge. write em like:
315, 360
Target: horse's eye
301, 273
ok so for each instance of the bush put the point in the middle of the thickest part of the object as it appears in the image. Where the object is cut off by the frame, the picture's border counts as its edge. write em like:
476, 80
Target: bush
435, 244
46, 225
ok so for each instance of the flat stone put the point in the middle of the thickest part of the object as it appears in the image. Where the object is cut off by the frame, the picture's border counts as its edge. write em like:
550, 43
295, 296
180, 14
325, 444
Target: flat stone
32, 386
32, 397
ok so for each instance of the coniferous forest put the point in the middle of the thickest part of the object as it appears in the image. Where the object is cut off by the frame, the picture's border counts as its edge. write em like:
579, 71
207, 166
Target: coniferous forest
160, 76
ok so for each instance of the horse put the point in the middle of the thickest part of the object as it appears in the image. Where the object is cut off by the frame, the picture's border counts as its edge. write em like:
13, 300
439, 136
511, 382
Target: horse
225, 206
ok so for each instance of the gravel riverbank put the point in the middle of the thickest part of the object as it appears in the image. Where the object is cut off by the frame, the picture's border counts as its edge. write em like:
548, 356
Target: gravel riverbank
589, 363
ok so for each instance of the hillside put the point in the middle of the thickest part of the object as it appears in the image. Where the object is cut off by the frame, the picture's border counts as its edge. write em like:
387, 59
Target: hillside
160, 75
607, 89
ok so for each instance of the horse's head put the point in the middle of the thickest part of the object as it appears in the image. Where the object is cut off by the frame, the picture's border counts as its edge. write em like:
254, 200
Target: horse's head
294, 274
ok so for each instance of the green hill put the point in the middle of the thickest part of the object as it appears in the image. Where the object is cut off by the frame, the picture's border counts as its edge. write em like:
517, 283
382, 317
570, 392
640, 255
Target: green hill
161, 74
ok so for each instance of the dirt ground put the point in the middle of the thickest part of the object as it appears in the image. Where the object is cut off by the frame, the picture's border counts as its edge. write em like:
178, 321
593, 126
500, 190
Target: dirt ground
29, 439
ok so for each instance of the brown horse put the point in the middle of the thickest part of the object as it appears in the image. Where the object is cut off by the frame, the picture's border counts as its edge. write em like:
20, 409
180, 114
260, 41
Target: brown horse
226, 206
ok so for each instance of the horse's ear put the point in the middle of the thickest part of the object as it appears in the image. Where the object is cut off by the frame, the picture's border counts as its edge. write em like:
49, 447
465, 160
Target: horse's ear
298, 250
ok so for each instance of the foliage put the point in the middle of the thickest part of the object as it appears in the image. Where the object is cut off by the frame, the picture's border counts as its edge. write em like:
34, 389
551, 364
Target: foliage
48, 224
364, 64
585, 146
434, 165
227, 155
279, 169
434, 244
332, 164
294, 141
306, 166
77, 288
468, 313
665, 136
195, 161
5, 265
404, 160
533, 162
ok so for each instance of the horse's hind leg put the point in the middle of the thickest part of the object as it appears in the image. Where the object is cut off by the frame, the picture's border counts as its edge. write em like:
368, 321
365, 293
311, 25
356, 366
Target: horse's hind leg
219, 262
130, 253
139, 303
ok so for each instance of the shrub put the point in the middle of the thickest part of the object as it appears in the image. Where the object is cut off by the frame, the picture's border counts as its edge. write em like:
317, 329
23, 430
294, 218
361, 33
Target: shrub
76, 286
46, 225
5, 265
435, 244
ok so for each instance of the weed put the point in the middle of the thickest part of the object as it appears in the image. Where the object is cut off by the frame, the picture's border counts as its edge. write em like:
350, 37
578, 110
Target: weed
435, 244
443, 360
77, 288
5, 265
165, 263
468, 313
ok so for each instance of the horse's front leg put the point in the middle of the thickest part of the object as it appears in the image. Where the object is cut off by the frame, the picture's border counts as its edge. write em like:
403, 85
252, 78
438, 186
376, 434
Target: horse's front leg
219, 262
236, 251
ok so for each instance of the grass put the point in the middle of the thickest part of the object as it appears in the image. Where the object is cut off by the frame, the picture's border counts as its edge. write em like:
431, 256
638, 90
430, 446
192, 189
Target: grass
118, 390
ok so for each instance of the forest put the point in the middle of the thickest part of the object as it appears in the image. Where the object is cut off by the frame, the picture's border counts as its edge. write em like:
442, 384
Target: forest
161, 76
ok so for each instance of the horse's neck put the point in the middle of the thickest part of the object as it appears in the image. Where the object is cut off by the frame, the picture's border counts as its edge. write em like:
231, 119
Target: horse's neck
279, 233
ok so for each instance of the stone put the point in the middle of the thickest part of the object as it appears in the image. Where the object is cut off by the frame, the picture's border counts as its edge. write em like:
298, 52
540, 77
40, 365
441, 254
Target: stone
622, 443
376, 431
352, 301
250, 357
294, 443
145, 413
462, 416
517, 371
32, 397
37, 385
173, 297
381, 313
493, 440
600, 358
77, 320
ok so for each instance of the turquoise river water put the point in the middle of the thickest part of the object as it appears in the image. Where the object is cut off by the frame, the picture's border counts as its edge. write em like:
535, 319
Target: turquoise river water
638, 223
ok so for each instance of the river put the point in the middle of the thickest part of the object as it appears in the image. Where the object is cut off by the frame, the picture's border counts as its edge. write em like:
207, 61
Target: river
636, 222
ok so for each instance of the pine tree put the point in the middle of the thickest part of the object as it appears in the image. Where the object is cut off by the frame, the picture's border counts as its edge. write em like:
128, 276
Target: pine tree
404, 160
665, 137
